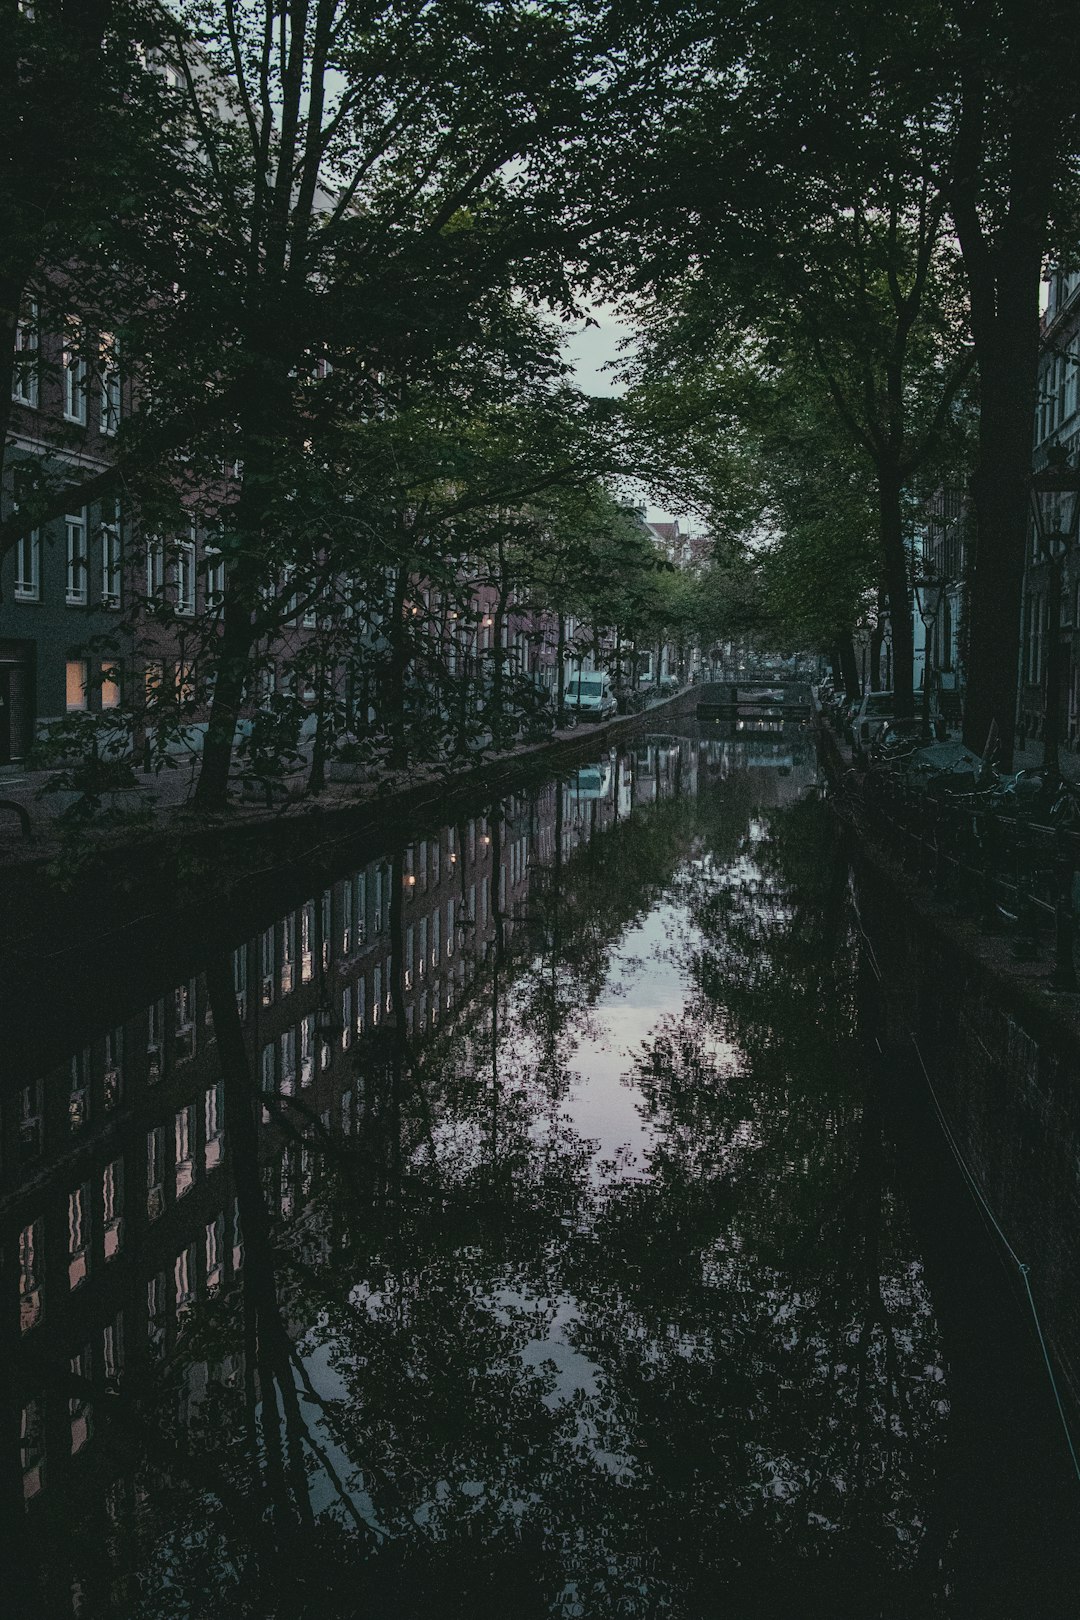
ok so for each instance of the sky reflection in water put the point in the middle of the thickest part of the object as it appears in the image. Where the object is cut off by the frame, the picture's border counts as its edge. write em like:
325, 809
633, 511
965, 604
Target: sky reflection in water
594, 1292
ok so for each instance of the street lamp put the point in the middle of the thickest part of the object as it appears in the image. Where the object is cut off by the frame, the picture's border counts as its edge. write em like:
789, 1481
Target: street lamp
930, 588
1055, 508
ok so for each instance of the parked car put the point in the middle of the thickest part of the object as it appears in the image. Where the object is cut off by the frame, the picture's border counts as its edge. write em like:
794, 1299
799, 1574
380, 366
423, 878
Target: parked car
589, 696
874, 711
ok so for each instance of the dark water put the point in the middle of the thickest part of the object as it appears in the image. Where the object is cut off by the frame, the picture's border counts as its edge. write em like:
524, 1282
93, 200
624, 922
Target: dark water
526, 1224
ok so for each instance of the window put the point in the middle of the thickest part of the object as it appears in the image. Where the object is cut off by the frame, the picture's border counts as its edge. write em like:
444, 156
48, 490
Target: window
184, 1002
237, 1237
110, 685
288, 1062
377, 915
78, 1405
266, 965
307, 1050
155, 1040
288, 953
28, 568
240, 979
215, 1253
184, 1276
268, 1074
360, 1004
110, 383
77, 677
346, 917
110, 560
112, 1204
156, 1309
215, 576
32, 1448
155, 567
30, 1276
213, 1118
30, 1121
346, 1018
75, 592
78, 1234
360, 909
185, 575
184, 1132
112, 1348
74, 364
114, 1067
24, 374
155, 1172
307, 943
376, 995
324, 922
79, 1093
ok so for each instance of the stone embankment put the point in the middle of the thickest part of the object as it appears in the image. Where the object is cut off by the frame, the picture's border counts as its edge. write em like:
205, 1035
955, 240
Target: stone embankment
960, 1013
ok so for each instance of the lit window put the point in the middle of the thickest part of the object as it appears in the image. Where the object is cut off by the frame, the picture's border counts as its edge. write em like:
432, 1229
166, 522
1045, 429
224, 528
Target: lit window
76, 559
76, 682
110, 686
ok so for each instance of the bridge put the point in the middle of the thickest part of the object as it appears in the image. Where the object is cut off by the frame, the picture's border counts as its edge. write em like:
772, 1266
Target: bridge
788, 700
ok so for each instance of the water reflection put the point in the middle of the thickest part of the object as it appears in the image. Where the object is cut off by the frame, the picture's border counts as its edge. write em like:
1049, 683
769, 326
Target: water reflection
512, 1222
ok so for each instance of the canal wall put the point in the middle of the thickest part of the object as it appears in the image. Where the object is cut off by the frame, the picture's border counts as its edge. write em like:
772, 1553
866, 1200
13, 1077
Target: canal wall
1000, 1050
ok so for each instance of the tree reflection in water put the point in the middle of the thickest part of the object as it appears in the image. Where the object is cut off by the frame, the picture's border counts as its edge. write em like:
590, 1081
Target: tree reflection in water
484, 1371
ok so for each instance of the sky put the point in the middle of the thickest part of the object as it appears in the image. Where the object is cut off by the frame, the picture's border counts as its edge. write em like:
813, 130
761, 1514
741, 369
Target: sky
591, 350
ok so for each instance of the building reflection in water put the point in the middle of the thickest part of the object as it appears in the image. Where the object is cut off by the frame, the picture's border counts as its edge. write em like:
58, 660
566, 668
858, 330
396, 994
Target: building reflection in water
121, 1205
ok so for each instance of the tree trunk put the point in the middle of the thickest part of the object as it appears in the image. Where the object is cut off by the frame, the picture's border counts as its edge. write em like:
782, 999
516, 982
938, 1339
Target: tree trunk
398, 668
849, 669
232, 667
317, 778
999, 491
877, 636
895, 560
560, 672
1004, 275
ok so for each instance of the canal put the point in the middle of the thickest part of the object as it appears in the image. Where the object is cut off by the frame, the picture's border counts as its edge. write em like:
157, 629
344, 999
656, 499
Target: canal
523, 1222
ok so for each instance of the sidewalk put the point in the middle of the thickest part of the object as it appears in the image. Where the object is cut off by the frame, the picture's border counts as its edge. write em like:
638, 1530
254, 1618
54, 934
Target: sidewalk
161, 799
1031, 758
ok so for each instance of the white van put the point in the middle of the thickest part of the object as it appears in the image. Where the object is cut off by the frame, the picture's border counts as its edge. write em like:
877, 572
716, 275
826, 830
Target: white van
589, 695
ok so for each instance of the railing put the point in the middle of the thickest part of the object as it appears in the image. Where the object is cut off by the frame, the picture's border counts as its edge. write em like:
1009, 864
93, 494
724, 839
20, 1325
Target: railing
1007, 871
